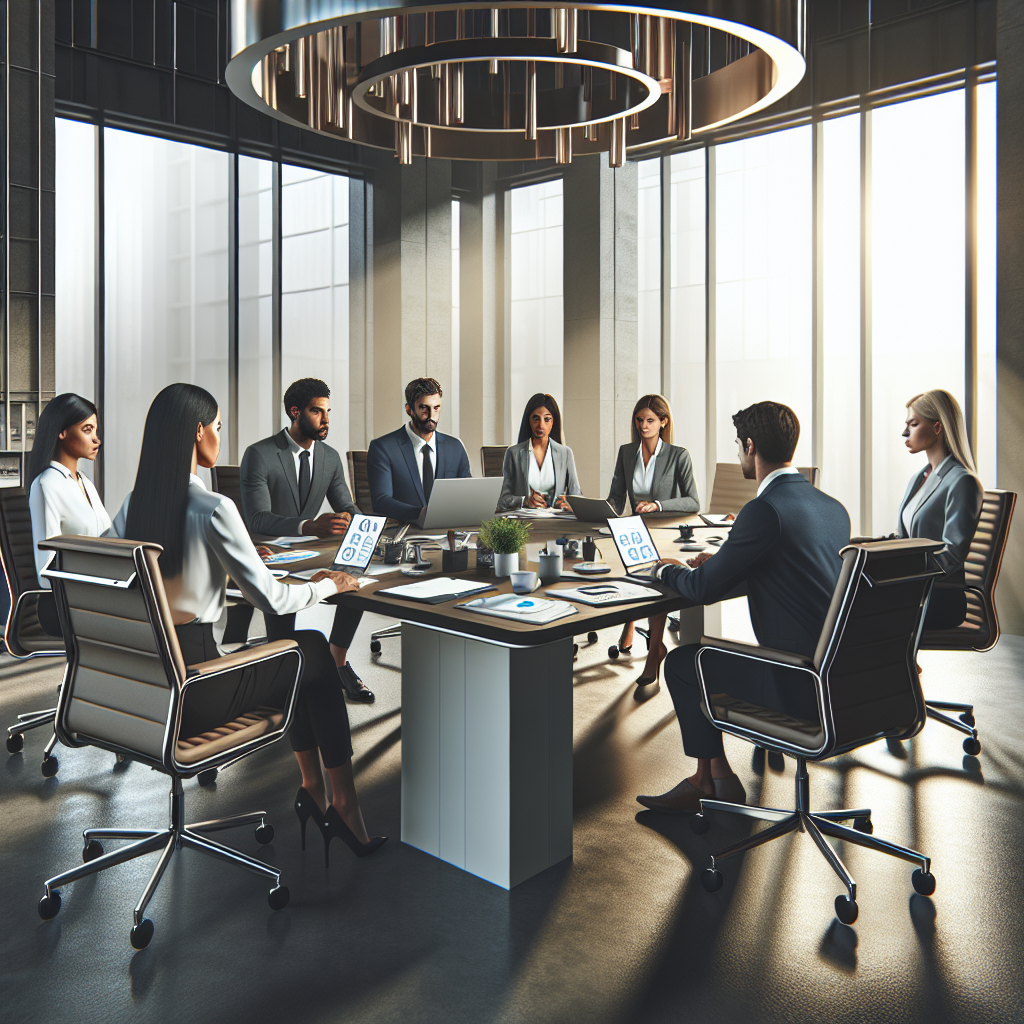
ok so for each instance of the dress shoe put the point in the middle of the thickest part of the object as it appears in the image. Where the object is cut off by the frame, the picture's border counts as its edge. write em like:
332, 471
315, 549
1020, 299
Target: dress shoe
355, 689
649, 686
334, 825
682, 799
730, 790
306, 808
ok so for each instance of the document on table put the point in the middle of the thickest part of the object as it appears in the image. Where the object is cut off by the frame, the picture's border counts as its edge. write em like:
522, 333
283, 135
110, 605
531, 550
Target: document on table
284, 542
534, 610
538, 513
437, 589
604, 593
295, 555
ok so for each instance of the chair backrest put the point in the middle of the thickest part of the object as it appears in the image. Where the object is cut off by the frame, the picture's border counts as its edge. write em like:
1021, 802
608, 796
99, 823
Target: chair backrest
227, 480
866, 655
980, 629
731, 490
125, 668
492, 459
359, 478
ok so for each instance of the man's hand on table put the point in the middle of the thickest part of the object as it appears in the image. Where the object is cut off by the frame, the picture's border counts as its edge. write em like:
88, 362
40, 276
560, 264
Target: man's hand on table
327, 525
699, 559
342, 580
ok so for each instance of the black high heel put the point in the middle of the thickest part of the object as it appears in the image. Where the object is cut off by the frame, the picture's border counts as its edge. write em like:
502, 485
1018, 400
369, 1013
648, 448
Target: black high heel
334, 825
306, 808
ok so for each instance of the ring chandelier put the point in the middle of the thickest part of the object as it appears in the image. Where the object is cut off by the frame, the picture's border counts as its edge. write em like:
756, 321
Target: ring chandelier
512, 81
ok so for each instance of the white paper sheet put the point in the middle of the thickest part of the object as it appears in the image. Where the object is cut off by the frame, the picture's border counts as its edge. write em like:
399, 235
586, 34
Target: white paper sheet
436, 586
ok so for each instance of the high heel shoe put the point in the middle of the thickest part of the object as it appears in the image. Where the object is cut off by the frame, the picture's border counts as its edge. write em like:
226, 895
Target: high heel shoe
626, 630
306, 808
334, 825
649, 686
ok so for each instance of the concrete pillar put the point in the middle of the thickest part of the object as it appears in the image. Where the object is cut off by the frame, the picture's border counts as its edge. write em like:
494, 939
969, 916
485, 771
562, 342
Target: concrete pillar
600, 303
1010, 300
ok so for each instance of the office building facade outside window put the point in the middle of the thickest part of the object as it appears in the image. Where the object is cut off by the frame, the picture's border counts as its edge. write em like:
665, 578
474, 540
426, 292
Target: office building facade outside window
648, 246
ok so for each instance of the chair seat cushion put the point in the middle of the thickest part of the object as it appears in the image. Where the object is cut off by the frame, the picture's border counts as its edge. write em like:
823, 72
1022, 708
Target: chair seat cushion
770, 723
243, 729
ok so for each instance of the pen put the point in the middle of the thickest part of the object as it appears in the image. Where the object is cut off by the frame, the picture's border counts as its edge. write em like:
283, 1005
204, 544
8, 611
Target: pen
451, 540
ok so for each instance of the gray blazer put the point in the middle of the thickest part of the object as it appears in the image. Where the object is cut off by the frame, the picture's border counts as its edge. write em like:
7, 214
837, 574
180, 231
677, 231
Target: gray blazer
515, 488
270, 487
673, 484
949, 512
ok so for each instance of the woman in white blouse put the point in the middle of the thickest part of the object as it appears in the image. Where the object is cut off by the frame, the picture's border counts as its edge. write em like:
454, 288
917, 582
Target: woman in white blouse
656, 476
204, 541
62, 500
539, 471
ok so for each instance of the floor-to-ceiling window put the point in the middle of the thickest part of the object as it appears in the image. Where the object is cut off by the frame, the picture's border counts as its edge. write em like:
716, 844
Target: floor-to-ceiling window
452, 391
166, 275
536, 299
648, 248
985, 400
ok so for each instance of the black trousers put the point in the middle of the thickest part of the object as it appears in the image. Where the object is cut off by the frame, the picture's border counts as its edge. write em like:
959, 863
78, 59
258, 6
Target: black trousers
947, 608
320, 719
788, 691
281, 627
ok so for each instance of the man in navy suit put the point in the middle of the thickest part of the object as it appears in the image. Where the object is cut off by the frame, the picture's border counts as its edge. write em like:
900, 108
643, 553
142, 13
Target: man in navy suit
403, 465
784, 548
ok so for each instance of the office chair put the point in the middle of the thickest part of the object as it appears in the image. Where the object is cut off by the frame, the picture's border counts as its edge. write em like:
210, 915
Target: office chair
227, 480
123, 691
24, 636
866, 687
492, 459
980, 630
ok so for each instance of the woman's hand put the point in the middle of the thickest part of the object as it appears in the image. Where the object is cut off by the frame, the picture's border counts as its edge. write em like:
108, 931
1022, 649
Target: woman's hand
264, 552
342, 580
646, 506
536, 500
562, 504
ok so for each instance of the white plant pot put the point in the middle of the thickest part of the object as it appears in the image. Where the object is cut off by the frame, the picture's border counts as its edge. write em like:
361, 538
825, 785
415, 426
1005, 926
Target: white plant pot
505, 564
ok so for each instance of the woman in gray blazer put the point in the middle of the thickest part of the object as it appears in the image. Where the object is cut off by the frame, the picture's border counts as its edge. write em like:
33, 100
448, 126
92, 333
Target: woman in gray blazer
943, 501
538, 471
656, 476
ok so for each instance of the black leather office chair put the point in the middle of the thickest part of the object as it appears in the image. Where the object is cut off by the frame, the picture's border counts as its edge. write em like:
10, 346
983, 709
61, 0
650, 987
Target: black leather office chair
865, 682
492, 459
980, 630
227, 480
123, 691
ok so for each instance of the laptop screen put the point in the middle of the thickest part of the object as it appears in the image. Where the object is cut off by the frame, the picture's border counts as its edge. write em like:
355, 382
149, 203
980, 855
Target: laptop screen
633, 540
360, 541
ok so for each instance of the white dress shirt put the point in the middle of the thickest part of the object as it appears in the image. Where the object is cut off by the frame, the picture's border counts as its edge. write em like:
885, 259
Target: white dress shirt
217, 545
772, 475
541, 478
59, 506
643, 476
418, 444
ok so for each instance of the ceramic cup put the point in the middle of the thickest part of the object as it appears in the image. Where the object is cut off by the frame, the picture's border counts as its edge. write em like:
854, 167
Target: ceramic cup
523, 582
550, 566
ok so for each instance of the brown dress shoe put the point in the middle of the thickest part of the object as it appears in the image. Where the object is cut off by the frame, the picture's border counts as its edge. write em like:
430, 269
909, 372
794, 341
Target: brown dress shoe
682, 799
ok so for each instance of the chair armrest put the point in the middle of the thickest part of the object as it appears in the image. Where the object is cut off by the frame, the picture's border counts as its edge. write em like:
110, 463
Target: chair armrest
238, 659
768, 654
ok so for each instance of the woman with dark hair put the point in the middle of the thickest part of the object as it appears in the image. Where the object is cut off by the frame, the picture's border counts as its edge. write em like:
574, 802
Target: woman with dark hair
656, 476
204, 541
539, 470
62, 500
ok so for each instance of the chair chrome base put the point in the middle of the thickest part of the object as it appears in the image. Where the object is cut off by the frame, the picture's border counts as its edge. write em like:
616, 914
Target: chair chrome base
170, 839
965, 724
378, 635
818, 825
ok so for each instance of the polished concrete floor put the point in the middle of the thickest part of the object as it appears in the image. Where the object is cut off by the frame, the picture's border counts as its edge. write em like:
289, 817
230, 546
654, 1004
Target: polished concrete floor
624, 932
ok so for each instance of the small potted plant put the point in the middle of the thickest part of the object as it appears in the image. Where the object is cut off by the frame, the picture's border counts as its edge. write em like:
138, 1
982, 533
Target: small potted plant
506, 538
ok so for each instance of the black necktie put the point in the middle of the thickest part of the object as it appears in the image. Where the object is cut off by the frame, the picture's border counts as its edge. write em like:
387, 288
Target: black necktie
428, 473
303, 478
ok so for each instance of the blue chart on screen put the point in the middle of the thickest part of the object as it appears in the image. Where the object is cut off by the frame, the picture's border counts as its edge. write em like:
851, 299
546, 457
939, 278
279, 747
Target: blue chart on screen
633, 541
360, 541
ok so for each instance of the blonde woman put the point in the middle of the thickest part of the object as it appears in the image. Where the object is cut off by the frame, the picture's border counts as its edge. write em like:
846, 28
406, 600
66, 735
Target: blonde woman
656, 476
943, 501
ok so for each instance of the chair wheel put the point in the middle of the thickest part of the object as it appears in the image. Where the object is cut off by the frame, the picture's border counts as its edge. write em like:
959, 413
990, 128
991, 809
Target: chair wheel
264, 833
673, 626
141, 935
591, 637
924, 882
49, 906
375, 647
972, 746
49, 766
712, 879
613, 653
207, 778
575, 649
846, 909
278, 897
863, 825
92, 850
700, 823
15, 743
968, 719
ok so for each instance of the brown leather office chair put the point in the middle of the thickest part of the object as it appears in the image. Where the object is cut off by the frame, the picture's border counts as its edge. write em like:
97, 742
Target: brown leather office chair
123, 691
227, 480
24, 636
731, 491
864, 678
980, 630
492, 459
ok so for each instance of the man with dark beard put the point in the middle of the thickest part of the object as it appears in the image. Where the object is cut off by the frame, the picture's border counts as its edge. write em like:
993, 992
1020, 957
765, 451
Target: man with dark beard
284, 481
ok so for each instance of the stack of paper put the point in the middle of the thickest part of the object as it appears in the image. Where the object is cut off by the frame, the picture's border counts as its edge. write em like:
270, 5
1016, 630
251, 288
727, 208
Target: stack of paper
609, 592
437, 589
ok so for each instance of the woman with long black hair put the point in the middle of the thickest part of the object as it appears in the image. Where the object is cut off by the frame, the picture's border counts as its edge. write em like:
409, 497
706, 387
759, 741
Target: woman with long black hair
62, 500
204, 540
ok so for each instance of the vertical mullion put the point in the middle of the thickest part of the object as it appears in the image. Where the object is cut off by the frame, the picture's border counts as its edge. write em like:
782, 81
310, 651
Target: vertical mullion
866, 354
711, 314
666, 273
5, 222
39, 218
971, 258
275, 300
233, 352
100, 300
817, 294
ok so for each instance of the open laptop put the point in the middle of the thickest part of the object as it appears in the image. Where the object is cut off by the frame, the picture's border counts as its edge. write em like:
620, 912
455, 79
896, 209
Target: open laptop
356, 547
461, 502
635, 545
590, 510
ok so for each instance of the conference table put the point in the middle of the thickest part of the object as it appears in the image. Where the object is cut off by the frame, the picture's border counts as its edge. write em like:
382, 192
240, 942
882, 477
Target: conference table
487, 707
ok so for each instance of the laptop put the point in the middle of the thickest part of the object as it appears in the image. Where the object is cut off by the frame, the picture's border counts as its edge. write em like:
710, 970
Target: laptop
356, 547
590, 510
461, 503
635, 545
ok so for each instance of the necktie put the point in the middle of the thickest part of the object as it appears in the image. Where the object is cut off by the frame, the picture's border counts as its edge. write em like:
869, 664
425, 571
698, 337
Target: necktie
428, 473
303, 478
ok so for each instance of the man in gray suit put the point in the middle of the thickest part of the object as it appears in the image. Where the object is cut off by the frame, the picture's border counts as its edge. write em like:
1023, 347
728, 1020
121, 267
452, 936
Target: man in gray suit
284, 481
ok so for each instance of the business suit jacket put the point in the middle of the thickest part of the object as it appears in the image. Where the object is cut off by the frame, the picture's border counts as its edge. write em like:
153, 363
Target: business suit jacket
673, 484
396, 480
270, 487
949, 512
516, 470
785, 547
